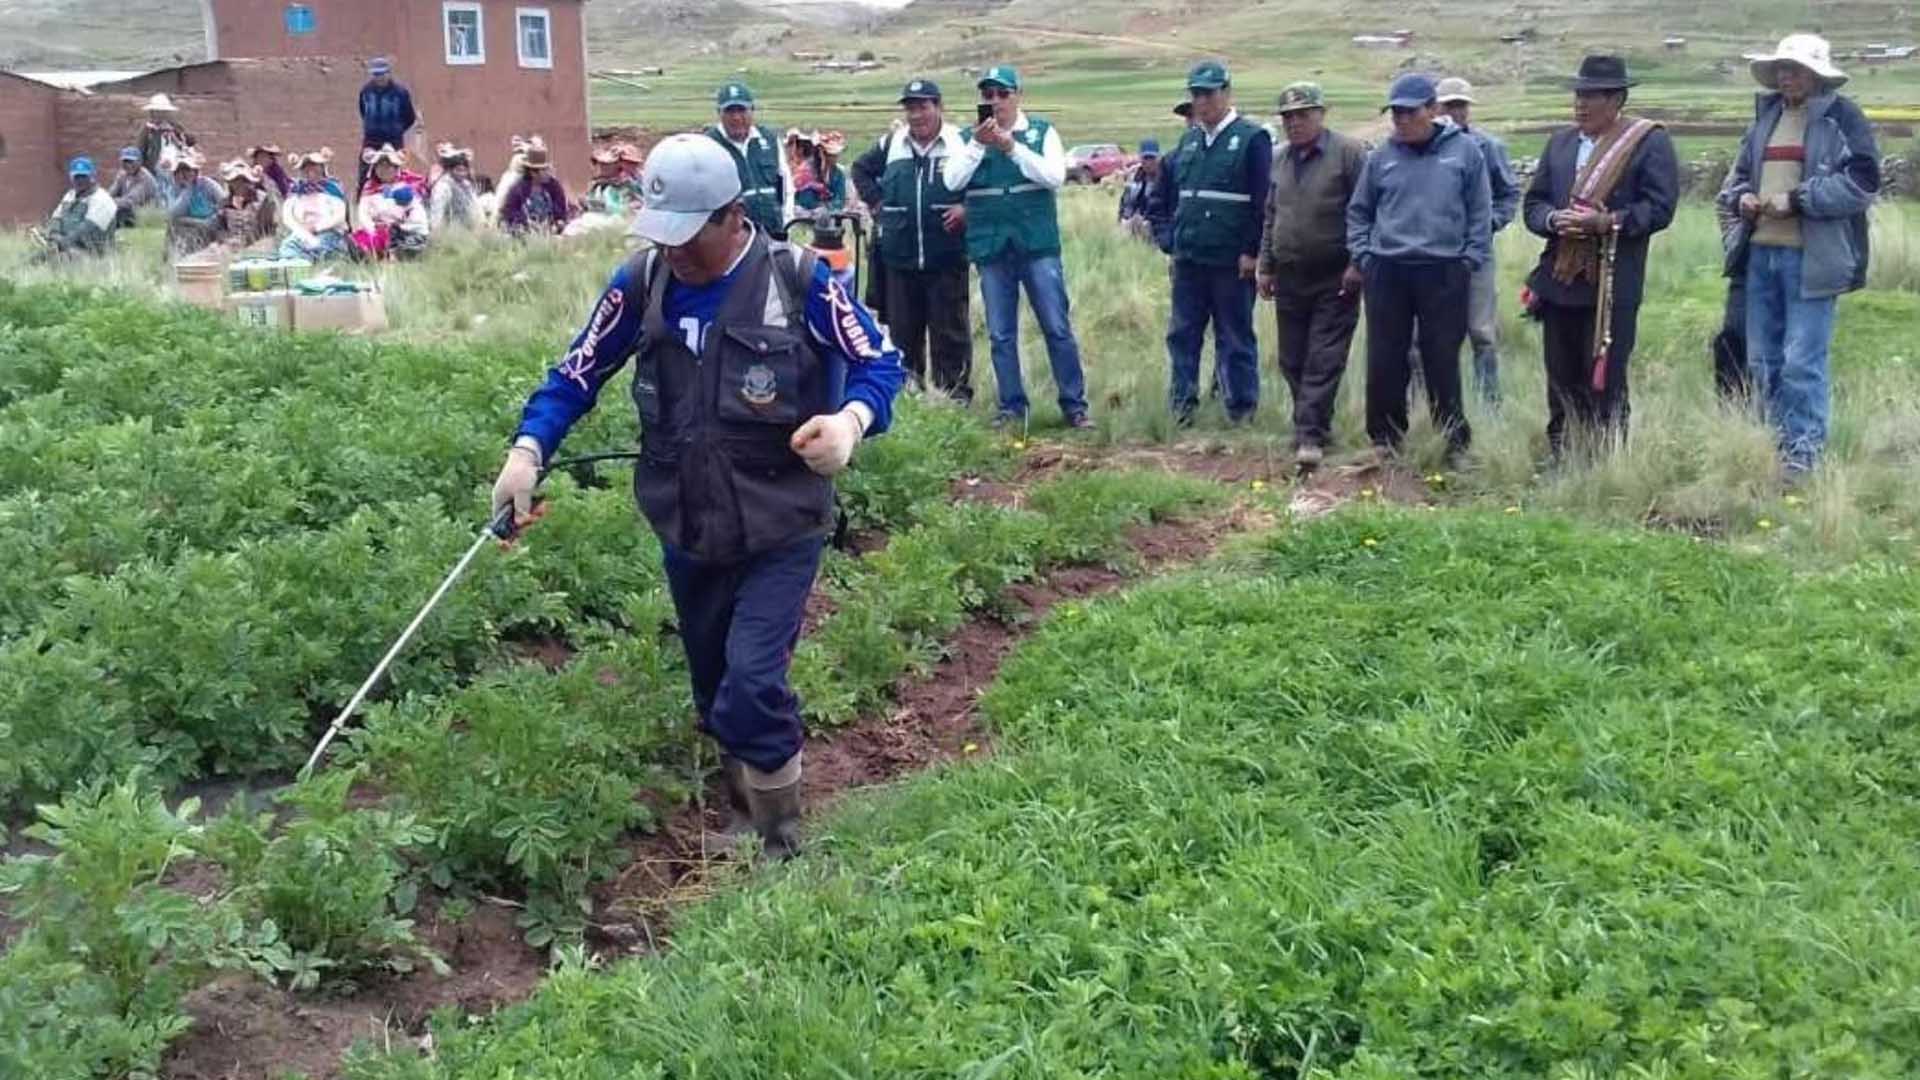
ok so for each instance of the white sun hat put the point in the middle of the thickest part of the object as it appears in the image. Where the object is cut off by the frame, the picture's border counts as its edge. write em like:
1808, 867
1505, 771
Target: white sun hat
161, 103
1810, 51
687, 178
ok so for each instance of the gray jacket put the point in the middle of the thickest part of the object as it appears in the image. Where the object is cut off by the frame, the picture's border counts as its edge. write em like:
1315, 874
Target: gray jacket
1842, 176
1500, 177
1427, 203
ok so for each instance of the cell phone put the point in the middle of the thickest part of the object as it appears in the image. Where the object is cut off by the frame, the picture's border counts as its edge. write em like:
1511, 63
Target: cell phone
984, 111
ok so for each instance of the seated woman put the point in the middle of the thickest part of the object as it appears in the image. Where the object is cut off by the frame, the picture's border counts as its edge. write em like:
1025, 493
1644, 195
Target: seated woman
537, 204
394, 224
251, 211
455, 201
826, 184
386, 173
610, 192
193, 218
266, 158
315, 215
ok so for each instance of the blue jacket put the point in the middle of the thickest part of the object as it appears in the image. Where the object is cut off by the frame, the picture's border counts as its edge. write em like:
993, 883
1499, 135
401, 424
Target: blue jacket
1501, 179
1841, 179
859, 354
1149, 200
386, 114
1430, 203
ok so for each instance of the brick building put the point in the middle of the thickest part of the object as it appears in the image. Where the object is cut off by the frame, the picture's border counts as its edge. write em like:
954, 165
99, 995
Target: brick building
290, 72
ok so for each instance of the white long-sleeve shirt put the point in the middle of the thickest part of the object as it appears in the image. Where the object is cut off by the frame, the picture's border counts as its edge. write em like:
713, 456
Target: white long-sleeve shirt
1048, 167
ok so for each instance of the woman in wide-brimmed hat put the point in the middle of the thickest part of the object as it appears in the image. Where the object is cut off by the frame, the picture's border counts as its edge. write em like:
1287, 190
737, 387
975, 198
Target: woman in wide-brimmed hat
1807, 173
826, 184
538, 202
610, 191
266, 158
455, 200
378, 213
162, 140
251, 211
315, 214
193, 216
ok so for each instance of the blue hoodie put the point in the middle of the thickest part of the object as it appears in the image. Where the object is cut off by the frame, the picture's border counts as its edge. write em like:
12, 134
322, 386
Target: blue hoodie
1426, 203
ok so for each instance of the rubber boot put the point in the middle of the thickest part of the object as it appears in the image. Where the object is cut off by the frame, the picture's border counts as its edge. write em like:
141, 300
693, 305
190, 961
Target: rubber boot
774, 802
733, 778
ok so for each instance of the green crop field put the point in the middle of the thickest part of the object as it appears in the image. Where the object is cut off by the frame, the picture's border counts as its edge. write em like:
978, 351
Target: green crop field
1186, 766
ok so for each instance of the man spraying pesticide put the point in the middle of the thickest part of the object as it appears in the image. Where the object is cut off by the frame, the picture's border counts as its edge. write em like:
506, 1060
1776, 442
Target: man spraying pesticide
756, 375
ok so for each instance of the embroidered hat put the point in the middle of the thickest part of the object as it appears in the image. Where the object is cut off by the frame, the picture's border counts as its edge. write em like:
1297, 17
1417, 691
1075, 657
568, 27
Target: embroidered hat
386, 153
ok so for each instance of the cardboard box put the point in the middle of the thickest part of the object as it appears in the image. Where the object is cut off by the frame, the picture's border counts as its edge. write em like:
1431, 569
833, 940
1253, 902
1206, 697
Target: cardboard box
349, 313
262, 311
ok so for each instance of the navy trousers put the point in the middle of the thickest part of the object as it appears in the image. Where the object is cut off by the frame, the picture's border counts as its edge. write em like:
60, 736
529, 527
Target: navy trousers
740, 622
1216, 294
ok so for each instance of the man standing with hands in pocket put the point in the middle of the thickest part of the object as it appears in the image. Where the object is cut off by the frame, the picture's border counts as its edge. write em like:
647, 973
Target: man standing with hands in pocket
1221, 173
755, 376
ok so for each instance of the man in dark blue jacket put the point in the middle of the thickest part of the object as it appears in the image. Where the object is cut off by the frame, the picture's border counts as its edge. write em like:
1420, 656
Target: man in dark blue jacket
386, 113
1807, 173
1144, 208
1419, 223
755, 375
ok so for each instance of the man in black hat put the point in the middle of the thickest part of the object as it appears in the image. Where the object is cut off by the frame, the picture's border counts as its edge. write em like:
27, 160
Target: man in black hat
1609, 181
922, 246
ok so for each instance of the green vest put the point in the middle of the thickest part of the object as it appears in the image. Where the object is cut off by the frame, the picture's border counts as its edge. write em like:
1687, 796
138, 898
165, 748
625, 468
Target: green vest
760, 186
1008, 214
913, 204
1215, 213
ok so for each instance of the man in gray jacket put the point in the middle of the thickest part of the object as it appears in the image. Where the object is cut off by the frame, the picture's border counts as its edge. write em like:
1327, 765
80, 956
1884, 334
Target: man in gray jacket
1483, 300
1418, 225
1807, 172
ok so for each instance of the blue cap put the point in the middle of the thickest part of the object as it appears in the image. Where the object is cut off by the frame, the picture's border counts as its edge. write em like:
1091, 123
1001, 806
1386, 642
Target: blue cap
80, 166
1411, 92
379, 66
130, 153
920, 90
1149, 148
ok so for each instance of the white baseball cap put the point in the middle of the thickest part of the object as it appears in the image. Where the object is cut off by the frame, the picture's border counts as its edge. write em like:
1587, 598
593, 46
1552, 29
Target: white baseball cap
686, 179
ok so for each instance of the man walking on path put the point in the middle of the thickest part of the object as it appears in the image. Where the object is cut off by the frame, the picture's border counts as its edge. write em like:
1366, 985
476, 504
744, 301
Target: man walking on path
1608, 179
1483, 292
923, 243
1304, 265
756, 375
1011, 167
1807, 173
766, 182
1221, 174
386, 113
1419, 224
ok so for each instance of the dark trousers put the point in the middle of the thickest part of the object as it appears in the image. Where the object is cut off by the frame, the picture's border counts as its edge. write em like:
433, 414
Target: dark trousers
740, 622
1316, 326
1567, 333
1216, 294
1730, 344
1433, 295
930, 310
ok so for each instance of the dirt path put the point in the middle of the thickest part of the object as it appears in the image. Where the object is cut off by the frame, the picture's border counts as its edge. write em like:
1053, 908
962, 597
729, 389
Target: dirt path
244, 1029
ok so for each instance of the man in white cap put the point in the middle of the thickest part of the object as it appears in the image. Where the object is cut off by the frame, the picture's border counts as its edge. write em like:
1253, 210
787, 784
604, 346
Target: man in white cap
756, 375
1483, 307
1807, 172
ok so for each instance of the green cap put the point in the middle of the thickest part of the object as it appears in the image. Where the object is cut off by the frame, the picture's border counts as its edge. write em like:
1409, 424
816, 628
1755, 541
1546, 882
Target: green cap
733, 95
1302, 95
1208, 75
1001, 75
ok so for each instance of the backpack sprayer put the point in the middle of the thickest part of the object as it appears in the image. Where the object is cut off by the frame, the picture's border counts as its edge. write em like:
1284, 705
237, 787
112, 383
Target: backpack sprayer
829, 229
501, 528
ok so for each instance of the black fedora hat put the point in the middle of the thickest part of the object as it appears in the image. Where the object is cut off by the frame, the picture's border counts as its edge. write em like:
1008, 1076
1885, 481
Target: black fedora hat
1602, 73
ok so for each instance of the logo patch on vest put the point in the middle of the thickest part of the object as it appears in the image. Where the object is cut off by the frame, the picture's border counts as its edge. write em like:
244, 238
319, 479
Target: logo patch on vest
1233, 144
761, 387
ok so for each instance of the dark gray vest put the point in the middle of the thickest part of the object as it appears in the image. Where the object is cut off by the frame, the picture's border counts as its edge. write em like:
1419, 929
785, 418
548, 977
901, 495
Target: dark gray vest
717, 477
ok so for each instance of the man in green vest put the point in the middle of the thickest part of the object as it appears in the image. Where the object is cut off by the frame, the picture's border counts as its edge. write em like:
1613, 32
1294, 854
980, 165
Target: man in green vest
1010, 166
1220, 177
923, 248
765, 184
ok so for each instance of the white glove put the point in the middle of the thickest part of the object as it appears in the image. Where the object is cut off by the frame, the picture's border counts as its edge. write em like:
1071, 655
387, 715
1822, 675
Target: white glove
518, 478
826, 443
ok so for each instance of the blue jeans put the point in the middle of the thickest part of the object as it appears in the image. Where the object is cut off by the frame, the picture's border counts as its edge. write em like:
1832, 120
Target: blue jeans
740, 622
1787, 342
1046, 283
1216, 294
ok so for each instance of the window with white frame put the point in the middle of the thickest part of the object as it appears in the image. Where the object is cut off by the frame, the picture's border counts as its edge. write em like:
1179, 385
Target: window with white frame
535, 32
466, 32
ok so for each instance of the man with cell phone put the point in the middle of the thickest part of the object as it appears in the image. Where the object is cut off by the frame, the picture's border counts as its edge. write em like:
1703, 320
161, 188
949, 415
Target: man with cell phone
1010, 167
